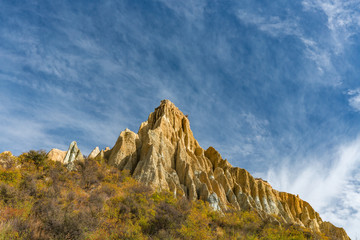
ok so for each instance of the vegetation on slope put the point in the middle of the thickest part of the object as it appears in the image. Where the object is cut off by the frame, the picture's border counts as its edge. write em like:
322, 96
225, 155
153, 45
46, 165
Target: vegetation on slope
41, 199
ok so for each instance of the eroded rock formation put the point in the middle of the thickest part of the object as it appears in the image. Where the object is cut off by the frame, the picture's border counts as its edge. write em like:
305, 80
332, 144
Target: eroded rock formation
56, 155
104, 153
165, 155
94, 153
72, 155
66, 157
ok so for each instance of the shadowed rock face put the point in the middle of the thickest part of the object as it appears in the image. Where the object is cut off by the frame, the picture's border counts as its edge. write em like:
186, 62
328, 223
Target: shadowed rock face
165, 155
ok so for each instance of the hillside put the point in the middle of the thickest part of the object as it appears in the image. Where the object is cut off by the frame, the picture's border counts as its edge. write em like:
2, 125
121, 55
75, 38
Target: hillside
155, 184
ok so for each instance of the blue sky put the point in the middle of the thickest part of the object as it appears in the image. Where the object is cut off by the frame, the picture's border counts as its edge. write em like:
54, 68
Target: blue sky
273, 85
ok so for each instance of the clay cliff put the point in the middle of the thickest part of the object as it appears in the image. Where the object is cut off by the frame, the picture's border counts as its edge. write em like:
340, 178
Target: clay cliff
165, 155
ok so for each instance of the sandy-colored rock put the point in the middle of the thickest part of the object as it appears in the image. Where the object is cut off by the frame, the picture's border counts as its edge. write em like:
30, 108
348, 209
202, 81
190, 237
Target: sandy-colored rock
73, 154
165, 155
94, 153
104, 153
125, 151
330, 230
66, 157
56, 155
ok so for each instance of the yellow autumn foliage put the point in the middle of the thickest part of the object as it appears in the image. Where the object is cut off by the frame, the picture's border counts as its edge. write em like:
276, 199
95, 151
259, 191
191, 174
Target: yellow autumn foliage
40, 199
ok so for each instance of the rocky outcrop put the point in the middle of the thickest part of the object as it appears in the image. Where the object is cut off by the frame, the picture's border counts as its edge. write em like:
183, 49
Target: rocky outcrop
72, 155
56, 155
104, 153
66, 157
94, 153
124, 154
165, 155
330, 230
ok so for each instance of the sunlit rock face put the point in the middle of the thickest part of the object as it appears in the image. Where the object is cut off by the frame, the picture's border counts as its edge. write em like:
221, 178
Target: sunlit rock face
56, 155
165, 155
66, 157
94, 153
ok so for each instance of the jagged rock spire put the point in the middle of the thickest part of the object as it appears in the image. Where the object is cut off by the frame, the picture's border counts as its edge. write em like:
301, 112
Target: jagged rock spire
73, 153
94, 153
66, 157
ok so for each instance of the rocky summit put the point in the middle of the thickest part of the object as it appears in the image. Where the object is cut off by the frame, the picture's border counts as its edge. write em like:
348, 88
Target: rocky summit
165, 155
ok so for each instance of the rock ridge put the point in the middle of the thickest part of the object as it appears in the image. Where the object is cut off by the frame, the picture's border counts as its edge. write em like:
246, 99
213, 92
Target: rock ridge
165, 155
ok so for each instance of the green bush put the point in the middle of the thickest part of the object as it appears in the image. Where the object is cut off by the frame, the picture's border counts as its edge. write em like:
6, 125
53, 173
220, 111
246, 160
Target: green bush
9, 176
38, 158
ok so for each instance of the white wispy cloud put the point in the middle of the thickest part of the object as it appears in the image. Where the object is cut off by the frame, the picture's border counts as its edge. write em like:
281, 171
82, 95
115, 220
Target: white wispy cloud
343, 22
354, 99
316, 51
334, 189
331, 174
241, 137
343, 19
80, 73
272, 25
191, 10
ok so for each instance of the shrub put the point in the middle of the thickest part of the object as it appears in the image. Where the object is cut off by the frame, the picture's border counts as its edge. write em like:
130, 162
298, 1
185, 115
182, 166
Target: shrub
90, 171
9, 176
28, 184
58, 221
196, 226
38, 158
7, 194
7, 160
44, 200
